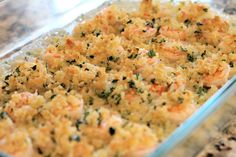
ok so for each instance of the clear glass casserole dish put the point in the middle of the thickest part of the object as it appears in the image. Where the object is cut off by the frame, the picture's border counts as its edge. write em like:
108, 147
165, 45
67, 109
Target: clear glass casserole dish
34, 42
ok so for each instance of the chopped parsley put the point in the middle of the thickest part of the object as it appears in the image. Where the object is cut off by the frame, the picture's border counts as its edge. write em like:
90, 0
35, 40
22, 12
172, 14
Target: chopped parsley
117, 98
158, 29
162, 41
79, 65
131, 84
96, 32
151, 53
53, 96
74, 138
108, 68
122, 30
201, 90
115, 81
90, 100
105, 94
77, 124
163, 104
149, 24
187, 22
129, 21
180, 100
153, 81
199, 24
82, 34
203, 54
191, 58
3, 115
34, 67
133, 56
197, 31
91, 56
140, 90
205, 9
71, 61
17, 70
7, 77
149, 98
112, 58
112, 131
63, 85
231, 64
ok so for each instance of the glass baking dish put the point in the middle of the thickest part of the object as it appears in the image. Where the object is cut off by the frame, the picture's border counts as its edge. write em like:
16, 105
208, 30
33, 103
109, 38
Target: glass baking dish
40, 39
219, 123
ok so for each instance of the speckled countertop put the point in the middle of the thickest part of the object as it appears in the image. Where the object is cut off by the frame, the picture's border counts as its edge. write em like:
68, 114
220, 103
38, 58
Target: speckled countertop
20, 18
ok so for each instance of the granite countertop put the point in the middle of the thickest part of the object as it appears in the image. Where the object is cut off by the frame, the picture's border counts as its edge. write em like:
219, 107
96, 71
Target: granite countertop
18, 19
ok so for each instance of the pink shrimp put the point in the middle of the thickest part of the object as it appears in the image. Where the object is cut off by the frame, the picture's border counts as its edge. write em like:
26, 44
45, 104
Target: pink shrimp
157, 88
172, 33
178, 113
219, 77
17, 144
172, 53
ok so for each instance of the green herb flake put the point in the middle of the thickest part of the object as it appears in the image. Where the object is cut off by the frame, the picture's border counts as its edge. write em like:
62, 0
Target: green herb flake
131, 84
122, 30
78, 123
17, 70
63, 85
112, 58
187, 22
151, 53
108, 68
149, 98
117, 98
203, 54
231, 64
7, 77
74, 138
82, 34
140, 90
90, 100
3, 115
162, 41
201, 90
133, 56
105, 94
79, 65
34, 67
153, 81
91, 56
112, 131
96, 32
115, 81
129, 21
149, 24
197, 31
191, 58
205, 9
199, 24
180, 100
71, 61
53, 96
